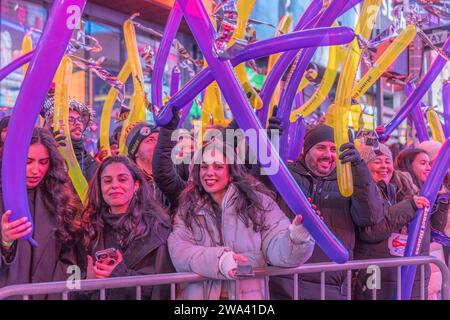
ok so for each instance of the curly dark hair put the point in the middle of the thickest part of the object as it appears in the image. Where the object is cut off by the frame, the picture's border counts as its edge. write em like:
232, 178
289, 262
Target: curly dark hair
133, 224
59, 196
248, 205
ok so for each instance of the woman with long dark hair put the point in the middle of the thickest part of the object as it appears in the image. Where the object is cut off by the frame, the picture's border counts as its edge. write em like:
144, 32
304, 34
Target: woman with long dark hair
226, 218
122, 218
55, 210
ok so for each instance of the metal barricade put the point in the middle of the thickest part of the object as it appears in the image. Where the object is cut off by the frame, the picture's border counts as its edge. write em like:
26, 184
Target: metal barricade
172, 279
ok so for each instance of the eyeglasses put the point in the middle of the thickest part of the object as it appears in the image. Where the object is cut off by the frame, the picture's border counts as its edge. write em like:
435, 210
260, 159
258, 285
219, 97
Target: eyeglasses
72, 119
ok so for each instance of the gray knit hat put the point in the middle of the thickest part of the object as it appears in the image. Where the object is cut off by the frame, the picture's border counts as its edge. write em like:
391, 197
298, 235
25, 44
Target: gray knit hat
369, 153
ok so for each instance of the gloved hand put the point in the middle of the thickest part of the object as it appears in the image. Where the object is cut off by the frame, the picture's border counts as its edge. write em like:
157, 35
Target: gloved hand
228, 263
173, 124
60, 138
380, 131
298, 232
349, 154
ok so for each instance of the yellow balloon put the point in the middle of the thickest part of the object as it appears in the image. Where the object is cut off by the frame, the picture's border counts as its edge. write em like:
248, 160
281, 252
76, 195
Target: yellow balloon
244, 8
61, 122
435, 125
139, 100
325, 86
107, 108
212, 106
283, 28
344, 92
27, 46
385, 60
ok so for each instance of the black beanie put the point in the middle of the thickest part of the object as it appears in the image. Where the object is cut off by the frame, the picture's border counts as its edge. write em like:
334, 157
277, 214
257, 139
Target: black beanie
320, 133
136, 133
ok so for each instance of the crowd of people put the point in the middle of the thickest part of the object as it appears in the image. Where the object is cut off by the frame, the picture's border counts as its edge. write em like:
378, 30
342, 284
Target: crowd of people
212, 215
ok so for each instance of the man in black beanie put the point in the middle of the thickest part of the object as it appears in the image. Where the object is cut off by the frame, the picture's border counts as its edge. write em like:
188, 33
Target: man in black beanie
141, 138
315, 173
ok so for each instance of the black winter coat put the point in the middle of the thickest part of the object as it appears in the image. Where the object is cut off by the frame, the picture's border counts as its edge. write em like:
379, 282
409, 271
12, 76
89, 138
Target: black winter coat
342, 215
372, 243
87, 164
145, 256
45, 263
171, 179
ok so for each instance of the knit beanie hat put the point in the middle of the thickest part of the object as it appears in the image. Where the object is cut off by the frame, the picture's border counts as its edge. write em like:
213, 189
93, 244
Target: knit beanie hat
320, 133
369, 153
136, 133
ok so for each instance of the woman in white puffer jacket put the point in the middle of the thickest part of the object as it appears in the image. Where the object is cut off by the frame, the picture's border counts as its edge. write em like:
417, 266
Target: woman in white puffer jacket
226, 217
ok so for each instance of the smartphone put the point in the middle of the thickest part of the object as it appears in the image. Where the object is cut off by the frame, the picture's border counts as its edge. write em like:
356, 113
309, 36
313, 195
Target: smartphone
244, 271
107, 254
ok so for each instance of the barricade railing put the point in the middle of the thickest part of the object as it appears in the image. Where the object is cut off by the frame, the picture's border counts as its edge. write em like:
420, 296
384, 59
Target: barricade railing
172, 279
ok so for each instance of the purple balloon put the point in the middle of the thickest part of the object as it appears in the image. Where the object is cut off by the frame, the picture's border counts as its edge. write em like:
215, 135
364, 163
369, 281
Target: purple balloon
414, 98
312, 12
288, 95
446, 102
309, 18
291, 41
63, 19
417, 115
172, 25
14, 65
298, 137
198, 21
174, 81
418, 225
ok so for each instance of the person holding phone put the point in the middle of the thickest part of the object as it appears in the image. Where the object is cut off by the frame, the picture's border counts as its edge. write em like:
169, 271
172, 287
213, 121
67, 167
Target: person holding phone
55, 209
125, 229
226, 223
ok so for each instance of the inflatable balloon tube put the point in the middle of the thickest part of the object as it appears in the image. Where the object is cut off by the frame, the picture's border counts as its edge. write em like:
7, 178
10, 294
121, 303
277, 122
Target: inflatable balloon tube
139, 104
417, 115
291, 41
384, 61
435, 125
288, 95
298, 138
283, 62
105, 120
198, 21
170, 31
27, 46
325, 86
418, 225
63, 19
283, 28
16, 64
311, 15
344, 90
61, 122
244, 8
422, 88
446, 107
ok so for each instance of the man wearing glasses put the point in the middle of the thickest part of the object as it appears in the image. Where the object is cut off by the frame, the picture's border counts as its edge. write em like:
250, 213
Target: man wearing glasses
80, 116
